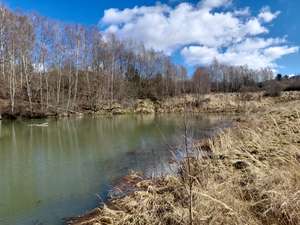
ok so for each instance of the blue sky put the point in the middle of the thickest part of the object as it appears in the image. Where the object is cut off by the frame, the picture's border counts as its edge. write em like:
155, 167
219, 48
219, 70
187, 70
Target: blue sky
286, 25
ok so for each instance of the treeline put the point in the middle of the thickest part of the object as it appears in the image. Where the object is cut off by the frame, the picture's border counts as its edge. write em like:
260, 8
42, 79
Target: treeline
224, 78
281, 83
51, 65
288, 83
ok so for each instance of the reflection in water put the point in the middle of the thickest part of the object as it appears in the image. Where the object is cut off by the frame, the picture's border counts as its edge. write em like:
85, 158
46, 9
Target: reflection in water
49, 173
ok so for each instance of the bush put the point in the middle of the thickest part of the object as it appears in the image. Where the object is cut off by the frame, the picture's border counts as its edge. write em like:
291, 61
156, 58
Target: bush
273, 89
293, 85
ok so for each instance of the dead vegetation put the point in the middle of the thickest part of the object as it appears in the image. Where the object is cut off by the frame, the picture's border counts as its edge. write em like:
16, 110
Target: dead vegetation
252, 176
224, 102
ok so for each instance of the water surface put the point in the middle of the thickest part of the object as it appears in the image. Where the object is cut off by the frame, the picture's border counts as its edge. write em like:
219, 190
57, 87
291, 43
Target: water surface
63, 170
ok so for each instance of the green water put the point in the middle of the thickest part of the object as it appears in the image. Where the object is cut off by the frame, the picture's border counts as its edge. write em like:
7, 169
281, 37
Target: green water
63, 170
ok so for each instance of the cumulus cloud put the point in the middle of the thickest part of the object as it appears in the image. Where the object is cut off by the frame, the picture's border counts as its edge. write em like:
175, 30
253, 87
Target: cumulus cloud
256, 53
210, 4
242, 12
209, 30
266, 15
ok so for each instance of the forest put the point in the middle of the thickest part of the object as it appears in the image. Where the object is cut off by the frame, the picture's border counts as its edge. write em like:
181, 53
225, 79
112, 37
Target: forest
48, 65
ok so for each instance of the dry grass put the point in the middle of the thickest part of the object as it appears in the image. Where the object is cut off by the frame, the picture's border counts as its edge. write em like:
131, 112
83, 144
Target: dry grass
251, 177
224, 102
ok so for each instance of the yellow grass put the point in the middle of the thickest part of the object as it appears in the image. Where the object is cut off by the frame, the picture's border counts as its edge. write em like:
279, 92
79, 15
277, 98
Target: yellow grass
253, 177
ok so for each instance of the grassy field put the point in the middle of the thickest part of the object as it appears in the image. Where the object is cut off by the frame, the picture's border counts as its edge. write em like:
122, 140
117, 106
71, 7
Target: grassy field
250, 176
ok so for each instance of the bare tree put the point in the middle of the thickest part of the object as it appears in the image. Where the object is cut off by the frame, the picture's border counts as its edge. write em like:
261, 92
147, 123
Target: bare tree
55, 65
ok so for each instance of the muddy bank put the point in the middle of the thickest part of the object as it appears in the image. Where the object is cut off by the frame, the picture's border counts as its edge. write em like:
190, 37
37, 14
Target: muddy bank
252, 176
210, 103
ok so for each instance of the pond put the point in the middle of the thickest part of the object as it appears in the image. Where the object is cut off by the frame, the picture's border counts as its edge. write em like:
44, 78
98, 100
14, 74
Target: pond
68, 166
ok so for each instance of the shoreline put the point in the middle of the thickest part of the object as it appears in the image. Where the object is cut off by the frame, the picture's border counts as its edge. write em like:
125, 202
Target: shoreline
242, 155
209, 103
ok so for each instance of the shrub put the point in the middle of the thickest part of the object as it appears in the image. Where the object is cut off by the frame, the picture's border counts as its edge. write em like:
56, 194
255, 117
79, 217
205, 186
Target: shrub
293, 85
273, 89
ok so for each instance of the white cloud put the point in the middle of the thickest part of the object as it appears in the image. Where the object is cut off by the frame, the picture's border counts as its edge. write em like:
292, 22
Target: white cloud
116, 16
254, 52
210, 4
200, 32
242, 12
254, 27
266, 15
276, 52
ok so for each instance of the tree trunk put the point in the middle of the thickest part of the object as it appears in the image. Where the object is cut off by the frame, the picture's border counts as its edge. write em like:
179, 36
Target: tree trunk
27, 83
76, 74
58, 86
70, 89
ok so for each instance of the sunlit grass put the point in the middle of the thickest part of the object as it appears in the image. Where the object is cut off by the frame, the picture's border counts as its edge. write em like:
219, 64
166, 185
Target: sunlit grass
251, 177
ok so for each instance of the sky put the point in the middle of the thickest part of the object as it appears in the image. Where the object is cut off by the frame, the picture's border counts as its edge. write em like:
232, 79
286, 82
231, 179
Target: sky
258, 33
